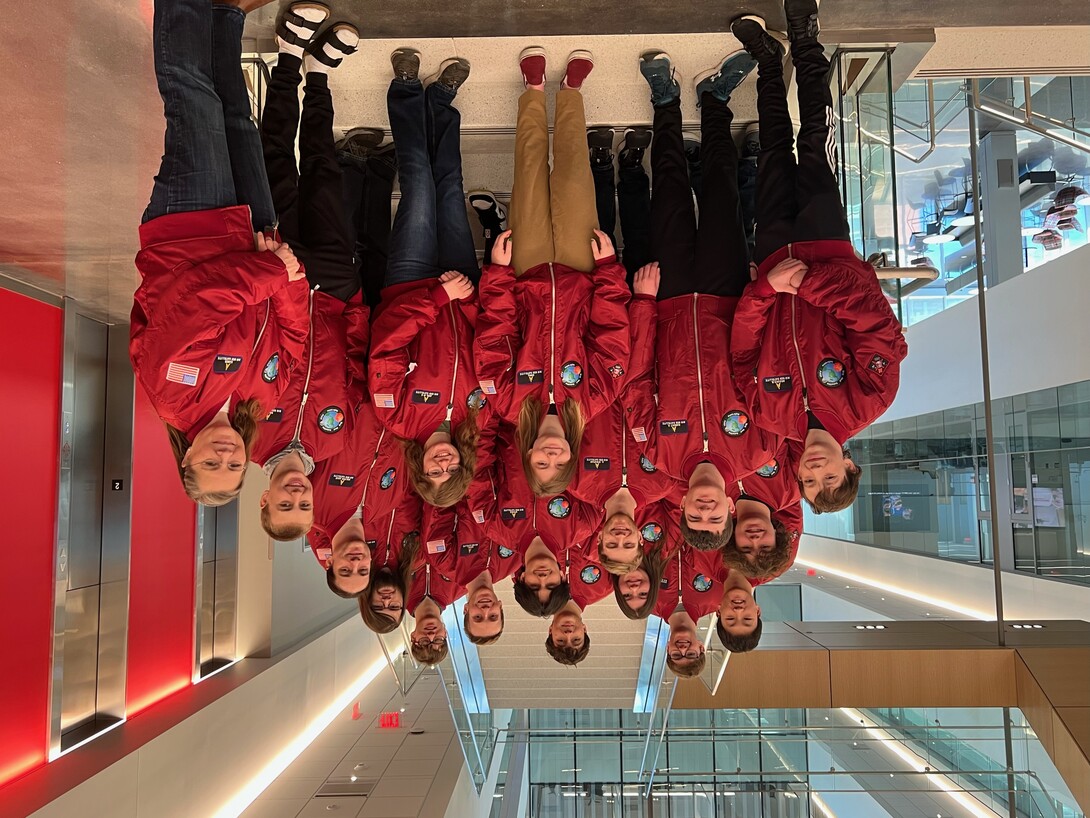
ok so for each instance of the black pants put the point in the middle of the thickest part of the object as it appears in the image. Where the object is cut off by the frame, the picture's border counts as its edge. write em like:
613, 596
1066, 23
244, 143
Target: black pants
714, 258
630, 193
368, 189
309, 200
797, 201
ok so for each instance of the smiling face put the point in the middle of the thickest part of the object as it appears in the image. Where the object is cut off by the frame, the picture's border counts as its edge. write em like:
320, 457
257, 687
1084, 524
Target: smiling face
706, 507
429, 631
635, 587
567, 630
684, 649
753, 534
388, 601
549, 454
216, 458
739, 612
440, 461
484, 614
289, 500
542, 576
351, 563
620, 539
823, 466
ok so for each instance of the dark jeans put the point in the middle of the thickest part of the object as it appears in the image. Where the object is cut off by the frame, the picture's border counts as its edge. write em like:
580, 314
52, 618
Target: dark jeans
747, 192
431, 228
309, 199
211, 151
368, 187
797, 201
630, 194
712, 259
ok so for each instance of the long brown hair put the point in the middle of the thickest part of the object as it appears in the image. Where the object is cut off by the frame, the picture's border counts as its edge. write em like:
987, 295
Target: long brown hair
244, 417
385, 577
655, 566
465, 439
531, 413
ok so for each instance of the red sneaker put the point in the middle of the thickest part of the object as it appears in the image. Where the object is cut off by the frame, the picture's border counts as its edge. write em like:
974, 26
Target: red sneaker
532, 65
580, 64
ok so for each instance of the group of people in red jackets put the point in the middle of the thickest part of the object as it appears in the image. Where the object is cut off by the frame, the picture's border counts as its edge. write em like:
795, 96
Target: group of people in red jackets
546, 420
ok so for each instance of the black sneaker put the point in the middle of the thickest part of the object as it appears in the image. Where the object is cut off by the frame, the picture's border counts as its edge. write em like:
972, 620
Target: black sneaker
751, 32
802, 19
635, 143
451, 74
492, 214
406, 63
600, 143
359, 142
751, 142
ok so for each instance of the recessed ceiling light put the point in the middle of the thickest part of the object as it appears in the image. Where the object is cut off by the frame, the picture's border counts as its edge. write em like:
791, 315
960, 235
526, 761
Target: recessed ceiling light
963, 221
939, 238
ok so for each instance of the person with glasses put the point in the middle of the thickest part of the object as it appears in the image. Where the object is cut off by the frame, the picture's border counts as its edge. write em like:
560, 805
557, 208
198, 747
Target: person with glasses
421, 372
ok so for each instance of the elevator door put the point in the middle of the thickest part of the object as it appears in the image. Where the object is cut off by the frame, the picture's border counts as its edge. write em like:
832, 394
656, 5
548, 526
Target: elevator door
91, 613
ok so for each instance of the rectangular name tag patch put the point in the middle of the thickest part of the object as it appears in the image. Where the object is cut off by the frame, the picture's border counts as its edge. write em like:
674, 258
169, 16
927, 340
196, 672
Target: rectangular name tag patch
227, 363
345, 481
778, 383
275, 416
468, 548
528, 376
518, 513
673, 427
425, 396
596, 463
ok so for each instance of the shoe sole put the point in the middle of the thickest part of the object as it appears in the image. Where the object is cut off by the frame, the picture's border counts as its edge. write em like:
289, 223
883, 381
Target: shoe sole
581, 55
308, 6
532, 51
651, 56
492, 202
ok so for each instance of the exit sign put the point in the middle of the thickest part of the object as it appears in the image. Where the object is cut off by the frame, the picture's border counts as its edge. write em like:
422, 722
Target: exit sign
389, 719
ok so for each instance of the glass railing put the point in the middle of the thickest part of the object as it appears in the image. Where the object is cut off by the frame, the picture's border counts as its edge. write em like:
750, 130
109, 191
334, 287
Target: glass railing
474, 730
924, 484
715, 764
907, 163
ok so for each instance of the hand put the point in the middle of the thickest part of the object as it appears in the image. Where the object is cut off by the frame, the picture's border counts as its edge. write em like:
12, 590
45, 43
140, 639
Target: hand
283, 252
601, 246
787, 276
646, 280
458, 287
501, 250
752, 271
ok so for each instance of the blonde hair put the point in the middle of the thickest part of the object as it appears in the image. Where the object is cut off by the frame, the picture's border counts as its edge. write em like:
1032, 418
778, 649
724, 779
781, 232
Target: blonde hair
616, 566
243, 418
531, 413
465, 439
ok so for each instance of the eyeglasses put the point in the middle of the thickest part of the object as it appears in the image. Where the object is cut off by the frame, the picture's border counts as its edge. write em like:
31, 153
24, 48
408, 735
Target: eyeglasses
436, 643
440, 472
677, 655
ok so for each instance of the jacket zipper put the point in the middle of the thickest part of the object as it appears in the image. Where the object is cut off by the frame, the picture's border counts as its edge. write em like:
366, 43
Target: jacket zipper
795, 341
389, 533
679, 587
310, 366
624, 454
699, 376
552, 333
374, 460
261, 332
454, 376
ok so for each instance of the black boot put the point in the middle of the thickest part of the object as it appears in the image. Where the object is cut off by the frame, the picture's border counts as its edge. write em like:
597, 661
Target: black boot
635, 143
600, 143
751, 33
802, 19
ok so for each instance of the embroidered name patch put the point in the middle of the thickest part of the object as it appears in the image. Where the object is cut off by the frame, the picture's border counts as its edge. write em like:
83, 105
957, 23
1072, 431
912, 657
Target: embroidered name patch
514, 513
596, 463
777, 383
425, 396
226, 363
275, 416
185, 375
673, 427
529, 376
344, 481
468, 548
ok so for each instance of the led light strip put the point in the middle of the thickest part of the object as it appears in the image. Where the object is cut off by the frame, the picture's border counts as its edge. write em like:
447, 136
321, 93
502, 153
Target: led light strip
257, 785
893, 589
963, 800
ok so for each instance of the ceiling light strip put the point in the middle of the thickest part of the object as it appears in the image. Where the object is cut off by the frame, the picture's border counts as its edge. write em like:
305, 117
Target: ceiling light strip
936, 602
257, 785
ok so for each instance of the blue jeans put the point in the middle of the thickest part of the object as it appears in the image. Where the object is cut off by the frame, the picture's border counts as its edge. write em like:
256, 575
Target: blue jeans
431, 228
212, 151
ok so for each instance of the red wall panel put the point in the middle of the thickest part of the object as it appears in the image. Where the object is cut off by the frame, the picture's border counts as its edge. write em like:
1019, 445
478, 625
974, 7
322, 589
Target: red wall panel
161, 568
31, 336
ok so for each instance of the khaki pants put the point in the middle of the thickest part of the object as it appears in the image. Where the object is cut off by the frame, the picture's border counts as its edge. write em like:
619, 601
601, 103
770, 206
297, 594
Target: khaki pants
553, 217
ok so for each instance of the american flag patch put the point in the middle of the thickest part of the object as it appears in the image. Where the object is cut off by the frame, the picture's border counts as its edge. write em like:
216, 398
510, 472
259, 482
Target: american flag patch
479, 517
180, 373
488, 387
640, 434
384, 401
437, 546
